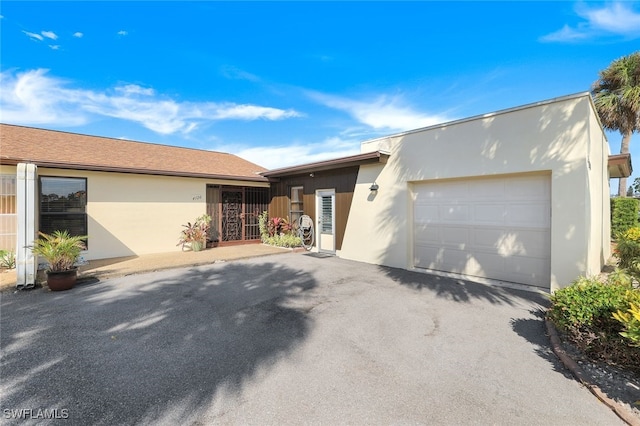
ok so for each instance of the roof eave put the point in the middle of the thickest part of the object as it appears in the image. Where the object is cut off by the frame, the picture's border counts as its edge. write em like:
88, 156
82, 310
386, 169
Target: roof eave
620, 166
88, 167
336, 163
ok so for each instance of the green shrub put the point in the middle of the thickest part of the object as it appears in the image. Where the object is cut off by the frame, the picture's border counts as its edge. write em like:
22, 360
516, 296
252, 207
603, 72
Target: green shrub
630, 318
262, 225
277, 232
600, 319
628, 247
624, 214
286, 240
587, 303
7, 259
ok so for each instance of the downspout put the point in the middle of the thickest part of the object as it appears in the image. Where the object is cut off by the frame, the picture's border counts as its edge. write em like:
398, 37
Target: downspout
26, 267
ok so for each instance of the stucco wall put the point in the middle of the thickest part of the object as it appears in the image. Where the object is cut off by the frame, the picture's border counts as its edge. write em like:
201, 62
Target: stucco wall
137, 214
4, 169
599, 195
546, 138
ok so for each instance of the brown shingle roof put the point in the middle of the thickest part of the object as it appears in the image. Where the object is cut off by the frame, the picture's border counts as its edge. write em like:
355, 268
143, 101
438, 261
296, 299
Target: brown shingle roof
50, 148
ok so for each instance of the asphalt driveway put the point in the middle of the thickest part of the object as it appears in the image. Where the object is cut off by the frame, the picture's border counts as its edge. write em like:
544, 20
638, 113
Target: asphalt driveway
285, 339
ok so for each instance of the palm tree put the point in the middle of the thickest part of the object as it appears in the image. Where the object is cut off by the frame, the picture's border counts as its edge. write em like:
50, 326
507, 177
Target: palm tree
616, 95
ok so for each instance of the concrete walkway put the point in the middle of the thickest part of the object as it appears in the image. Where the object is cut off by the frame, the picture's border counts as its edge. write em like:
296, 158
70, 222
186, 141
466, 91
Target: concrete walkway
121, 266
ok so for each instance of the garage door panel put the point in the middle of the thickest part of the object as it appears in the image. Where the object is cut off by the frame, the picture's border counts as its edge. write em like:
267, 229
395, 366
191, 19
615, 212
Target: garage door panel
490, 227
487, 238
427, 213
445, 258
510, 242
529, 214
425, 234
489, 189
492, 263
452, 213
489, 214
450, 190
456, 236
431, 257
522, 265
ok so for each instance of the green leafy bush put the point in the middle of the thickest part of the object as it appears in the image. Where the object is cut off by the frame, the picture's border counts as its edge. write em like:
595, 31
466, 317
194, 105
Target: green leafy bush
195, 234
599, 318
7, 259
286, 240
60, 249
277, 232
262, 224
624, 214
630, 319
587, 303
628, 247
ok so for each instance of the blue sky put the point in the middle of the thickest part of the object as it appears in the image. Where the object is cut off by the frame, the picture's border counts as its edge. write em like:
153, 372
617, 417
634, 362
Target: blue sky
284, 83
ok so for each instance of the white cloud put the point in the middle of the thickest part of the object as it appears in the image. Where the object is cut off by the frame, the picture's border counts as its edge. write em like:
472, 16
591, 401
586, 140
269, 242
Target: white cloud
250, 112
381, 113
617, 19
78, 34
122, 33
33, 36
294, 153
565, 34
49, 34
54, 46
234, 73
134, 89
33, 97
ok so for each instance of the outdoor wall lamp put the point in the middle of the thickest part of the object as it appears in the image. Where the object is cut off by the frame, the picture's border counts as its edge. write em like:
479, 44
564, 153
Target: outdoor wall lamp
374, 187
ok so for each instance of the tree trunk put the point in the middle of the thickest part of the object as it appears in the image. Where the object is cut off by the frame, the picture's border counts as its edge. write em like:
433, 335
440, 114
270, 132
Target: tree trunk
624, 149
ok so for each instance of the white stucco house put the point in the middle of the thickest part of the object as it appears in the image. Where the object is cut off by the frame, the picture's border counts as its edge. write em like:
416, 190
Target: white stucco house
520, 195
131, 198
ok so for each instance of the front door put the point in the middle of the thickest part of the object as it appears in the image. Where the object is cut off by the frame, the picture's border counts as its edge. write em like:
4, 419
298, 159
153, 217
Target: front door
231, 216
326, 206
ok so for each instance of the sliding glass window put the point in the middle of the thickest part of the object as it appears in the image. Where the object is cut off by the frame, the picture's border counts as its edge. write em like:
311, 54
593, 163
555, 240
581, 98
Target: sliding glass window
63, 205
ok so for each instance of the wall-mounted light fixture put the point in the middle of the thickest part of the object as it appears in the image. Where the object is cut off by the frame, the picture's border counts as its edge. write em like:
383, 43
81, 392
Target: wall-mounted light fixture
311, 175
374, 187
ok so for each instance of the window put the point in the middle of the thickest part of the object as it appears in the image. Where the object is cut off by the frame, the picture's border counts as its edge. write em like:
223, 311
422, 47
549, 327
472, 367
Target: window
295, 204
63, 205
8, 217
326, 221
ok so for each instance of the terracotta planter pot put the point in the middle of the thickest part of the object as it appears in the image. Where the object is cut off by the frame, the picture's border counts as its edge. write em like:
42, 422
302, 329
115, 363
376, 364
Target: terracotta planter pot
62, 280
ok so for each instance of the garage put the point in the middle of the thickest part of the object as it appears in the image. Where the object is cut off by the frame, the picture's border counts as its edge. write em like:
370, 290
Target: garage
496, 227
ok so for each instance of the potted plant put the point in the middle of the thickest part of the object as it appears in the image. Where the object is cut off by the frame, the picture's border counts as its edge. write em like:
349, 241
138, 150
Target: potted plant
61, 251
195, 234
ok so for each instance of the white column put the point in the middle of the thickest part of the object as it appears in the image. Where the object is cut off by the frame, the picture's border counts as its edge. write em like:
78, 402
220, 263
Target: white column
26, 196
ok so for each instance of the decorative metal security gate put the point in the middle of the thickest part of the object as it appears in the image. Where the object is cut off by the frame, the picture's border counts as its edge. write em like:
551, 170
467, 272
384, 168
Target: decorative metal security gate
231, 229
234, 212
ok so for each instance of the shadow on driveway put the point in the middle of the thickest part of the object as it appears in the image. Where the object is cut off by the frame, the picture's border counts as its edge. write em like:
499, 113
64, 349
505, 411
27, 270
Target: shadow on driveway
459, 290
107, 351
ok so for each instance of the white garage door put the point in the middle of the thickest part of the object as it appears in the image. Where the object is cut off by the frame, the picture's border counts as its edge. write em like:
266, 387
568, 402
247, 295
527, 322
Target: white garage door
495, 228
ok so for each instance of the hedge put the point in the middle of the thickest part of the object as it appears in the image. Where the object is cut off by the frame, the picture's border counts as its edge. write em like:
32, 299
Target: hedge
624, 214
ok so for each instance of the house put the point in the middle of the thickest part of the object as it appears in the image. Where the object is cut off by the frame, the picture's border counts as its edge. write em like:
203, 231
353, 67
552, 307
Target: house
130, 198
520, 195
